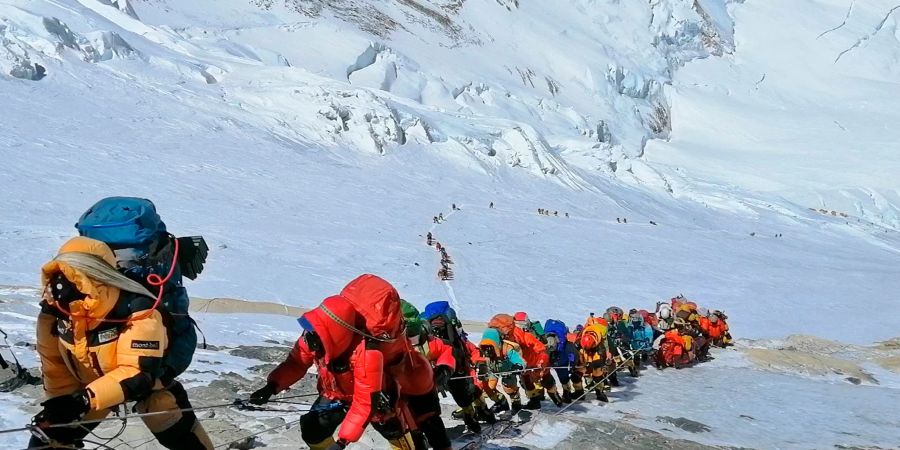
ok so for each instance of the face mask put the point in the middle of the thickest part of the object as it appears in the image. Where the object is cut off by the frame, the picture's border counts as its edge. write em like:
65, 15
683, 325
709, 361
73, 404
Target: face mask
488, 352
552, 341
63, 290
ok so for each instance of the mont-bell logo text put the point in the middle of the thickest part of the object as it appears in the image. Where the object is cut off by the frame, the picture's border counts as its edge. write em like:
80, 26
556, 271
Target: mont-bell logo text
145, 345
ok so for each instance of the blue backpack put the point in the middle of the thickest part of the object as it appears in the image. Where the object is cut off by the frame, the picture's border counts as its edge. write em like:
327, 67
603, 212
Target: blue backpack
143, 247
558, 328
440, 308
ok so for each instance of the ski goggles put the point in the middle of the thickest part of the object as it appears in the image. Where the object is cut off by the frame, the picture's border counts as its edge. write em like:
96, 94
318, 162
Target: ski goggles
415, 339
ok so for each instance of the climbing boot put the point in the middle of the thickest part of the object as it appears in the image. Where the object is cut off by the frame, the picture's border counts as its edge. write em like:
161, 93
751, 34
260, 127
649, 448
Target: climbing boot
516, 406
500, 406
472, 424
557, 400
566, 396
614, 380
601, 396
484, 414
458, 414
577, 394
533, 403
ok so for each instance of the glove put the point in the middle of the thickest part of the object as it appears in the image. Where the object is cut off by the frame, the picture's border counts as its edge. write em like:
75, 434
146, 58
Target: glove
481, 370
167, 376
192, 252
442, 378
64, 409
339, 445
262, 396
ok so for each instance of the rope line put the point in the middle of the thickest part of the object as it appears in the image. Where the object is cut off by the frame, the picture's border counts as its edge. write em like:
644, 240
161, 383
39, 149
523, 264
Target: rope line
242, 404
492, 374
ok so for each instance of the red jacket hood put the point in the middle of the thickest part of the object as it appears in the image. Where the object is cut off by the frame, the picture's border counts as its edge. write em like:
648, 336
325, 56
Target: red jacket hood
337, 339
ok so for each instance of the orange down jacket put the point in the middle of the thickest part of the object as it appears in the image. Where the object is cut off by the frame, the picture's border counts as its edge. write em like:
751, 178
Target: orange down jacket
533, 351
111, 342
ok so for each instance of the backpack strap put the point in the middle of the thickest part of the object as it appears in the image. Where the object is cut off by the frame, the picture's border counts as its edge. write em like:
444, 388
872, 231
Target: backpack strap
346, 325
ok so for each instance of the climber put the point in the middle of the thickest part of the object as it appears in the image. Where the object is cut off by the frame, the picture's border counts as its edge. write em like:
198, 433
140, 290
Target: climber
562, 354
592, 360
367, 372
500, 360
443, 328
537, 376
641, 334
102, 341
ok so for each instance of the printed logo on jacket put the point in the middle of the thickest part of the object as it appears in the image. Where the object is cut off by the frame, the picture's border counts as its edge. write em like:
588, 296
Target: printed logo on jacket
145, 345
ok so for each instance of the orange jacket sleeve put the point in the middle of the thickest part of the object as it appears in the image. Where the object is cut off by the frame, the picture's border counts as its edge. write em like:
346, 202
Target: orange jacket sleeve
58, 380
293, 368
441, 354
368, 379
533, 350
139, 354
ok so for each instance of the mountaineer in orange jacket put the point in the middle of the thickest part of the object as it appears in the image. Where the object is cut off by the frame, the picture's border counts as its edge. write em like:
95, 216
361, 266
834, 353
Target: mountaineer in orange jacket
101, 342
534, 352
676, 349
593, 359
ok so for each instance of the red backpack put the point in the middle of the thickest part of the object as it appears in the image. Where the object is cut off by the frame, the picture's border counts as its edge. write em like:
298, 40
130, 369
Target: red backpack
379, 305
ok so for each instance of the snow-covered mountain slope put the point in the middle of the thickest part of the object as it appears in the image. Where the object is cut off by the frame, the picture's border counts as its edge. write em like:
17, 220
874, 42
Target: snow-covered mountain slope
803, 110
311, 144
310, 141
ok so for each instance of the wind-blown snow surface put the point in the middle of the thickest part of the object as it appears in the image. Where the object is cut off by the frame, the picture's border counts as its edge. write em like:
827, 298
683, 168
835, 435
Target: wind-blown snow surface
312, 141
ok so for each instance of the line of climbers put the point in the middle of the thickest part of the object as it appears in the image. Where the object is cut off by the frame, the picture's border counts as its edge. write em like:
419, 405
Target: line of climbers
114, 328
547, 212
445, 273
370, 374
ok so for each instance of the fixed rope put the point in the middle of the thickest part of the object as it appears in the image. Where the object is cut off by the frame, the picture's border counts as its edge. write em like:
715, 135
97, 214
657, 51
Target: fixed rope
243, 404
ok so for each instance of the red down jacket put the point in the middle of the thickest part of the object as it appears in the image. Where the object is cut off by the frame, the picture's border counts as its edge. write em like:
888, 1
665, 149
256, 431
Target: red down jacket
533, 351
365, 367
439, 353
378, 305
370, 368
